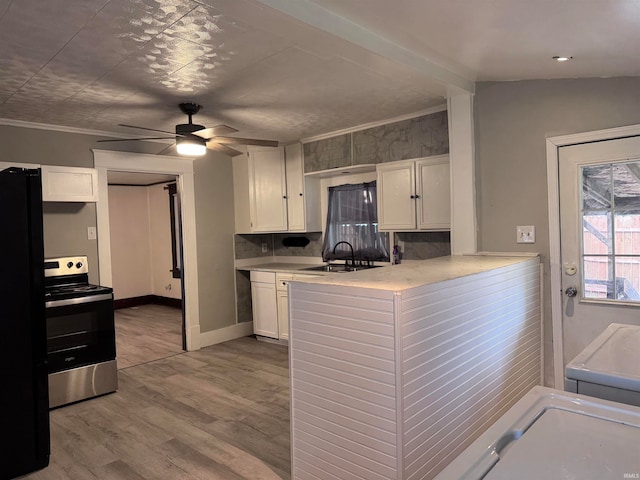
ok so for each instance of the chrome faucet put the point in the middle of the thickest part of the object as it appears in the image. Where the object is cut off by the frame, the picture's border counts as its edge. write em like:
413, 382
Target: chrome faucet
353, 256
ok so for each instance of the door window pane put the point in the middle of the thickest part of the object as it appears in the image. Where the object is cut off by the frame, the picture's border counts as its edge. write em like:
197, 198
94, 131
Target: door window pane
626, 185
596, 187
596, 234
627, 278
627, 233
598, 277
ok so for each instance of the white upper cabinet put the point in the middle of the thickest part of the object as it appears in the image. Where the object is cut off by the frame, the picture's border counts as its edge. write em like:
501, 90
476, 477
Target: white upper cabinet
396, 195
303, 193
433, 182
267, 189
295, 188
414, 194
272, 194
69, 184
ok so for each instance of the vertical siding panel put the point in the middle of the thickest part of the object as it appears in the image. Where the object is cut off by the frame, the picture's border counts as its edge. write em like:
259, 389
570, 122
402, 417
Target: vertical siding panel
394, 384
468, 355
343, 383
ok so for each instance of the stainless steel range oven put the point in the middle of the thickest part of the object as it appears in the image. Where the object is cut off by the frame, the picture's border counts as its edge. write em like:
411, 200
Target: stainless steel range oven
81, 347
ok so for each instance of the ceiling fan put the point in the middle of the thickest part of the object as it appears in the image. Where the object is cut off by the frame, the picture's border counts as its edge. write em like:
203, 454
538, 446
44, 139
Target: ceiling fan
193, 139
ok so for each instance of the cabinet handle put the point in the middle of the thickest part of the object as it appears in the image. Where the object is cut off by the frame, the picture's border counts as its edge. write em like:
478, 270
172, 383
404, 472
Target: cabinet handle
284, 196
300, 194
415, 196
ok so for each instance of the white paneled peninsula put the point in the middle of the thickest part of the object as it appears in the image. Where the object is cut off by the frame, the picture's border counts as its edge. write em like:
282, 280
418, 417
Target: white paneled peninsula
394, 371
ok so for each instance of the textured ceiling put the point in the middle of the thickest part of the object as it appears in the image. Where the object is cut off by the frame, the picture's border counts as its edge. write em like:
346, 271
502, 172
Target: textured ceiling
271, 69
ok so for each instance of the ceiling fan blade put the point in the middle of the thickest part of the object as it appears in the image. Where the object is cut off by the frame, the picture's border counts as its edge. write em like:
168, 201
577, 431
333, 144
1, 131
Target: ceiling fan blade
164, 150
245, 141
145, 128
207, 133
213, 145
135, 139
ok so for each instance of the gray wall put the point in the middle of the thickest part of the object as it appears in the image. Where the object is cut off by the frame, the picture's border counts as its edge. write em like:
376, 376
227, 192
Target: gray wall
214, 233
66, 224
512, 121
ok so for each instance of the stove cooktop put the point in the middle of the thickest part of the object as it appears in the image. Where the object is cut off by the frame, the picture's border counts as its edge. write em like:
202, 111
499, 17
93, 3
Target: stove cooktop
61, 292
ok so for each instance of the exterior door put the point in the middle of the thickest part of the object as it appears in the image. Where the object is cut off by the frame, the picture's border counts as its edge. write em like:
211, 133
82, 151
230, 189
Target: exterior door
600, 238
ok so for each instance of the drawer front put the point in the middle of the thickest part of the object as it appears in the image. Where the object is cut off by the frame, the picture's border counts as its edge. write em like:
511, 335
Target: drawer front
265, 277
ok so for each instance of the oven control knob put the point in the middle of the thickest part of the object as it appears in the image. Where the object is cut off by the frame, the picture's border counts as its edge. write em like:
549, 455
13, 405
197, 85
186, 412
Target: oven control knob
70, 264
79, 265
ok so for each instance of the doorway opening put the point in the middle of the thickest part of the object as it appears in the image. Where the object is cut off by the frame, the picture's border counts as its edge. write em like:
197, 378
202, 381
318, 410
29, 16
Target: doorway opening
180, 169
146, 261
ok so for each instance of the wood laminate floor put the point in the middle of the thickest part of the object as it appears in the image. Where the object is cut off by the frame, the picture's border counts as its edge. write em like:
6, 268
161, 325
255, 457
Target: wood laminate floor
146, 333
219, 413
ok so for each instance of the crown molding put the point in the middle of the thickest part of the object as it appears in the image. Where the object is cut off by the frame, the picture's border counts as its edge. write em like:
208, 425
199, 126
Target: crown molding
408, 116
66, 129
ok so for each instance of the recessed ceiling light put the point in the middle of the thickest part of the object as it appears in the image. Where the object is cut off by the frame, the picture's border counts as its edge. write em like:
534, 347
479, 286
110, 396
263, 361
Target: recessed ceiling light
558, 58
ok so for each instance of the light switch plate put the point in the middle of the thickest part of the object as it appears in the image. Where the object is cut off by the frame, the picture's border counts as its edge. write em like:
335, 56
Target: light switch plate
526, 234
91, 233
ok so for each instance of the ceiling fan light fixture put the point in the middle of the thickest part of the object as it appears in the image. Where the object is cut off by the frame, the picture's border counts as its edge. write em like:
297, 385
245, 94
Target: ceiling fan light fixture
560, 58
193, 147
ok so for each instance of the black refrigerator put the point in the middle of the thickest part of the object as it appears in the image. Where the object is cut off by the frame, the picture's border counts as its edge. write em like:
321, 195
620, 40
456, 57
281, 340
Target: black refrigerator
24, 397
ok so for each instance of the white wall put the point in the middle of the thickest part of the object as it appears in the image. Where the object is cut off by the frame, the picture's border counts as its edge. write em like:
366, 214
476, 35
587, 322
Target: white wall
130, 252
141, 242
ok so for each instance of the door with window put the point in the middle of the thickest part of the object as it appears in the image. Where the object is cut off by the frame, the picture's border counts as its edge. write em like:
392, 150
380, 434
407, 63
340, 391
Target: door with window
600, 238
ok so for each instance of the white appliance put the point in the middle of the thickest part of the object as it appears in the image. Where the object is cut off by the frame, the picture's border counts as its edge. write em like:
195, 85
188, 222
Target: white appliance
554, 434
609, 367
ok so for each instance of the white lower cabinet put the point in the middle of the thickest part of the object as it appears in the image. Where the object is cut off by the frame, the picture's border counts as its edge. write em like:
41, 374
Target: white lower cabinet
282, 300
270, 298
265, 308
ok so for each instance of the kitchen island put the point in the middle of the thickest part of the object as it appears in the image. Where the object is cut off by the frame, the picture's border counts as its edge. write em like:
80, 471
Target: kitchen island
394, 371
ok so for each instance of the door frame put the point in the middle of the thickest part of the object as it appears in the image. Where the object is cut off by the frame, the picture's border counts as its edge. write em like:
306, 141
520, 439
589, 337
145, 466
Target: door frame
181, 167
553, 202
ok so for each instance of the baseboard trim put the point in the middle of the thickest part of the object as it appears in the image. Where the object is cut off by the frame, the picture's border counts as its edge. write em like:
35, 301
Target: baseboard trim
145, 300
225, 334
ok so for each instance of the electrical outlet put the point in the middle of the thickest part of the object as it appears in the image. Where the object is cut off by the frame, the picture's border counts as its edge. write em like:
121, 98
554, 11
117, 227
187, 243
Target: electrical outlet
91, 233
265, 247
526, 234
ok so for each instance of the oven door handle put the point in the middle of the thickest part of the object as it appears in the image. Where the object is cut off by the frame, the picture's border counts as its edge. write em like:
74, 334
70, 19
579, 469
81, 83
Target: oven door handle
78, 300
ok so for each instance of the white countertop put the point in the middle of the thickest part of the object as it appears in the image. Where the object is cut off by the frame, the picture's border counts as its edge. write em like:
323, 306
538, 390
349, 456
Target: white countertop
414, 274
283, 267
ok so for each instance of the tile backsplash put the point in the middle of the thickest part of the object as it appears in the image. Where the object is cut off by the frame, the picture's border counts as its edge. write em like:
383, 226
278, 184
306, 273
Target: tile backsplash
424, 245
417, 245
250, 246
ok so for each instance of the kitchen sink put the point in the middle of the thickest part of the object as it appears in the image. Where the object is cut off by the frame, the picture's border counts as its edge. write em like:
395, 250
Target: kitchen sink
340, 268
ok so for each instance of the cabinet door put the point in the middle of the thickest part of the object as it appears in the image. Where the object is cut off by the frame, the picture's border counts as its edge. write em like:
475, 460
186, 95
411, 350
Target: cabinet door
434, 198
69, 184
295, 188
283, 314
396, 196
265, 310
267, 190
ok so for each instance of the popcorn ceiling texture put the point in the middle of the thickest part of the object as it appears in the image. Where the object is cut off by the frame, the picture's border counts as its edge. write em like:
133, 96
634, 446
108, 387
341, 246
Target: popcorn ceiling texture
93, 64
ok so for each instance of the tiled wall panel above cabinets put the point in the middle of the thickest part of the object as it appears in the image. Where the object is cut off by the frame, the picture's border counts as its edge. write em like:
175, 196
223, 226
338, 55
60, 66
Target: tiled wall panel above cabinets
417, 137
414, 138
329, 153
